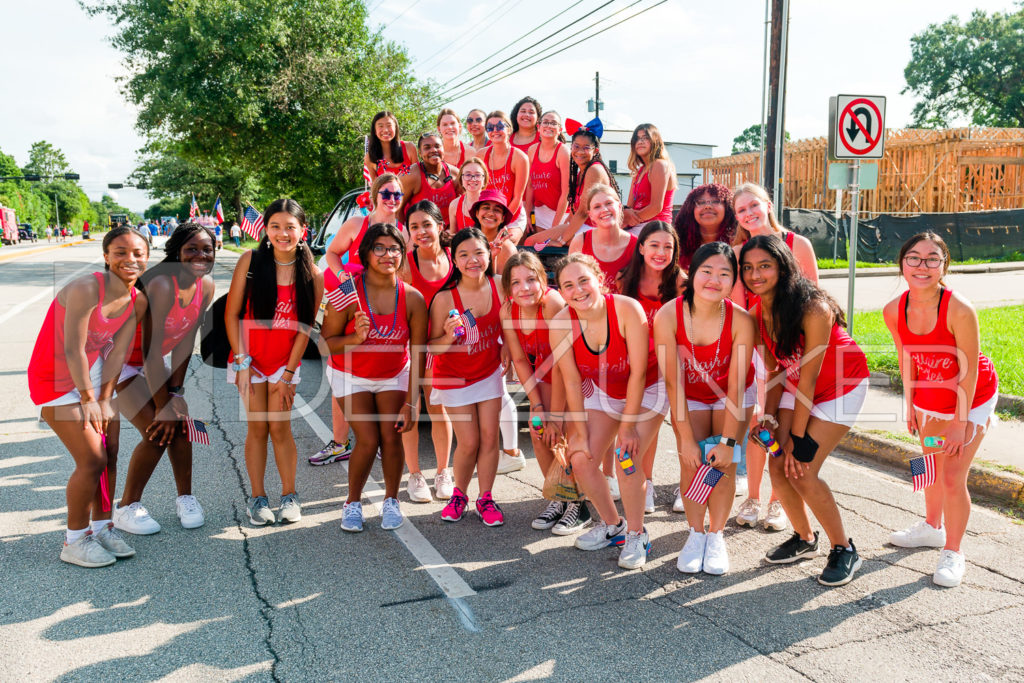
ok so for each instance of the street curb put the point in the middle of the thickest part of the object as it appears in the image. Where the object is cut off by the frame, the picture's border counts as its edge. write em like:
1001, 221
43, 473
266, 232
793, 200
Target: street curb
1003, 267
1003, 487
39, 250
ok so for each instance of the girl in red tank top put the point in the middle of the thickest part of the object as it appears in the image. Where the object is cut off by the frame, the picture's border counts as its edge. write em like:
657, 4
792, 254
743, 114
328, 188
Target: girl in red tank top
91, 317
548, 196
472, 180
179, 290
371, 375
525, 118
610, 245
275, 292
468, 370
654, 179
801, 328
507, 166
387, 152
420, 184
386, 197
455, 150
950, 389
428, 266
608, 373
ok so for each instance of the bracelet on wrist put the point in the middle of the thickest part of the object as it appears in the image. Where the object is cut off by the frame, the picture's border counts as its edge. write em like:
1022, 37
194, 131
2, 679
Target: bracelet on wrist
174, 394
410, 405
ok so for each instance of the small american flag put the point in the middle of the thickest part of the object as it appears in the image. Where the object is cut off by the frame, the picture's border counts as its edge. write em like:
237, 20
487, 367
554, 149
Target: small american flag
472, 331
196, 430
703, 482
922, 471
343, 295
193, 209
252, 222
588, 387
107, 348
366, 176
539, 246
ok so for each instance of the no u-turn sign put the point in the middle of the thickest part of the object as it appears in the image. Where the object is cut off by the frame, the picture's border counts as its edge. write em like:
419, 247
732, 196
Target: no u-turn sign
856, 127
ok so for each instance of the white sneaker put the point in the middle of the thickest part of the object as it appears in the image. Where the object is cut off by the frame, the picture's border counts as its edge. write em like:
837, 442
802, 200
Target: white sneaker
634, 551
135, 519
613, 486
649, 496
716, 559
391, 515
741, 484
87, 552
677, 504
691, 557
950, 571
749, 513
113, 542
602, 536
417, 488
776, 519
511, 462
190, 512
444, 485
920, 535
290, 510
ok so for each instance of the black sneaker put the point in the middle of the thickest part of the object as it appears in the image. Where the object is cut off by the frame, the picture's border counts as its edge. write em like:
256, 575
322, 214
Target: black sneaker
792, 550
576, 517
551, 514
841, 565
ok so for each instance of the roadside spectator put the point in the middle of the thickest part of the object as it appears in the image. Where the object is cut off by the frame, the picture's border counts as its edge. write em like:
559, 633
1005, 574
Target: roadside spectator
218, 231
49, 234
236, 234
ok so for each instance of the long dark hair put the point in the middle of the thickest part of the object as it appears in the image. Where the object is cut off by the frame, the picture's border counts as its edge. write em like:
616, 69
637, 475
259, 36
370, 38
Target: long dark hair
430, 208
700, 256
686, 225
376, 231
259, 297
629, 285
117, 232
793, 294
577, 175
376, 150
456, 275
519, 105
172, 252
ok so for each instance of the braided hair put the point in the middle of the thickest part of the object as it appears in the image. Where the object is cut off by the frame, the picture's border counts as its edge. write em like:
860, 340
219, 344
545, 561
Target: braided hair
576, 175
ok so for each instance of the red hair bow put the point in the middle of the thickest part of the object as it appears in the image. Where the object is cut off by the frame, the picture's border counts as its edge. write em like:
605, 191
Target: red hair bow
594, 126
363, 200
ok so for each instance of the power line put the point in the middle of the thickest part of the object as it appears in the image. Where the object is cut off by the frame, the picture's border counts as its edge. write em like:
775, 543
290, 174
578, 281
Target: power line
375, 6
463, 34
511, 73
401, 14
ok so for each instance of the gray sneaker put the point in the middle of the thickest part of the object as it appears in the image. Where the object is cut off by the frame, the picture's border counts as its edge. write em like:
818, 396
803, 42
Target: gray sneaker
114, 543
603, 536
634, 551
352, 517
259, 511
290, 510
390, 514
87, 552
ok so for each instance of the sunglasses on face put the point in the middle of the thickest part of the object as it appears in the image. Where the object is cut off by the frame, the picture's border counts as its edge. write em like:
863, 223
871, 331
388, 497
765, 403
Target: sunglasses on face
478, 119
491, 127
388, 195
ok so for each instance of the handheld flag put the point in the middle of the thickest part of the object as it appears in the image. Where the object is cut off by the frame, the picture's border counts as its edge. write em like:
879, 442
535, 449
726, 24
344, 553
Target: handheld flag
344, 295
539, 246
193, 209
588, 387
252, 222
472, 331
218, 211
196, 430
922, 471
703, 483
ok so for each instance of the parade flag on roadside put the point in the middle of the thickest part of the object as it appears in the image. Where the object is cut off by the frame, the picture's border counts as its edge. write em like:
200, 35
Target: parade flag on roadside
197, 431
218, 211
922, 471
252, 222
344, 295
703, 483
193, 209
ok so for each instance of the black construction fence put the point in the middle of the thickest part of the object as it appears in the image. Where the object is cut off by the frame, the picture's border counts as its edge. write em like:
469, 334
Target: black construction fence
981, 234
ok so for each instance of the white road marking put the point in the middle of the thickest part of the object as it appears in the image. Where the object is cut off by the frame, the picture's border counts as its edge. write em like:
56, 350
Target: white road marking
46, 292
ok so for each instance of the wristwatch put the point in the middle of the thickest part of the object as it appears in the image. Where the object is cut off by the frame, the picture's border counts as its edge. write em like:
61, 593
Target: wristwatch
724, 441
244, 365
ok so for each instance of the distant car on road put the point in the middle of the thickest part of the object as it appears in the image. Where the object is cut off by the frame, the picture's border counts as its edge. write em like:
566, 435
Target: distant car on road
25, 232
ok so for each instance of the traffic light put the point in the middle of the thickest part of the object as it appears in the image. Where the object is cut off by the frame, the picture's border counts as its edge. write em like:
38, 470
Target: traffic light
115, 186
71, 176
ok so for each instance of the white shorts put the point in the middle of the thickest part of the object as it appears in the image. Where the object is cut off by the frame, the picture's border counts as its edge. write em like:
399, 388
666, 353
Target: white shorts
979, 416
654, 401
544, 217
517, 223
74, 396
492, 386
257, 377
129, 371
749, 399
843, 410
345, 384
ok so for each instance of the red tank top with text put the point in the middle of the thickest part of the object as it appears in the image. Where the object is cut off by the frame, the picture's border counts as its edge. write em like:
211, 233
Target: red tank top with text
609, 368
385, 351
465, 364
502, 179
536, 344
546, 179
270, 346
705, 368
179, 322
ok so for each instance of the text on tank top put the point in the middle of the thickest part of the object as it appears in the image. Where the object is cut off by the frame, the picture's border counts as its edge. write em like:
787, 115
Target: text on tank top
385, 351
707, 380
611, 268
468, 364
502, 179
270, 347
608, 368
179, 322
546, 179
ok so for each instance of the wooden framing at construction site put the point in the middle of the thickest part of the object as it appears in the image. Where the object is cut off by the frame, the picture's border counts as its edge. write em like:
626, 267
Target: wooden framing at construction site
923, 171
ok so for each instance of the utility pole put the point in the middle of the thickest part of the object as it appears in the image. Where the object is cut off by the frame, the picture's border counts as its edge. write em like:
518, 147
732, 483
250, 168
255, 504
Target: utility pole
56, 209
775, 135
595, 104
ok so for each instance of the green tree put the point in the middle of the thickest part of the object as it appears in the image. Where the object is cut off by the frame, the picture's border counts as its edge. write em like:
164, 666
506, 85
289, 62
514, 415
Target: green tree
45, 159
281, 90
749, 140
969, 70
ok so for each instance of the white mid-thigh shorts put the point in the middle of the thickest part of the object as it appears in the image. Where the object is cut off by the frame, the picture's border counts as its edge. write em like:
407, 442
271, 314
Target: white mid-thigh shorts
842, 410
544, 217
74, 396
345, 384
654, 402
129, 371
749, 399
979, 415
517, 223
257, 377
492, 386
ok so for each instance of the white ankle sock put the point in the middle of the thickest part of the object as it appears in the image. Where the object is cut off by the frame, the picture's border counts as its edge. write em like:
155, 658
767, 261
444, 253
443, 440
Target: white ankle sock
99, 524
72, 535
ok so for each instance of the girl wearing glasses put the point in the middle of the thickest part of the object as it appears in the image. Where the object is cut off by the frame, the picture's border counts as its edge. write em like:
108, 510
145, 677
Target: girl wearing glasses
548, 194
706, 216
476, 127
586, 169
509, 170
386, 196
806, 347
432, 180
472, 179
654, 179
525, 116
386, 151
468, 370
950, 389
370, 370
455, 150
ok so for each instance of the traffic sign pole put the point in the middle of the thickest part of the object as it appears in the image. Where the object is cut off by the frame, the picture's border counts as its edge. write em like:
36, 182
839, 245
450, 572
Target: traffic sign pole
851, 252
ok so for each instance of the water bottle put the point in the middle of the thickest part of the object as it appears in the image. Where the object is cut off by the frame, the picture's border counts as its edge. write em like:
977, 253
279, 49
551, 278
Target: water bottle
770, 445
538, 426
459, 332
625, 461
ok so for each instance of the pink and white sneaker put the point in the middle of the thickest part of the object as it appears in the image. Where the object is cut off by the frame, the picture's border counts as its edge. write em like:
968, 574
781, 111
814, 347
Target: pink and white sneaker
456, 507
489, 511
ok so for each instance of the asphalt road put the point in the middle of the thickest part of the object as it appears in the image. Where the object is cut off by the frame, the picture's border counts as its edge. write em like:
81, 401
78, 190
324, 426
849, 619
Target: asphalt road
440, 601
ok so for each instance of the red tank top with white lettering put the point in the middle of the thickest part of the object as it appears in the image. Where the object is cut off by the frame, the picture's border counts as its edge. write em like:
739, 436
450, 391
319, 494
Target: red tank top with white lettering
707, 379
502, 179
546, 179
385, 351
48, 375
428, 288
179, 322
441, 196
271, 346
536, 344
641, 191
465, 364
935, 356
609, 268
608, 368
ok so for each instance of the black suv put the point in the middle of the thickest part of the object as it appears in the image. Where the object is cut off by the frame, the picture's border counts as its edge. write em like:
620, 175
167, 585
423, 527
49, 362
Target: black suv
25, 233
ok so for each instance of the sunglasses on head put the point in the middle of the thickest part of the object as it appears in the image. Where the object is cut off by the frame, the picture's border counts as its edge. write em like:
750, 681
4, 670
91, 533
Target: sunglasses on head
388, 195
491, 127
